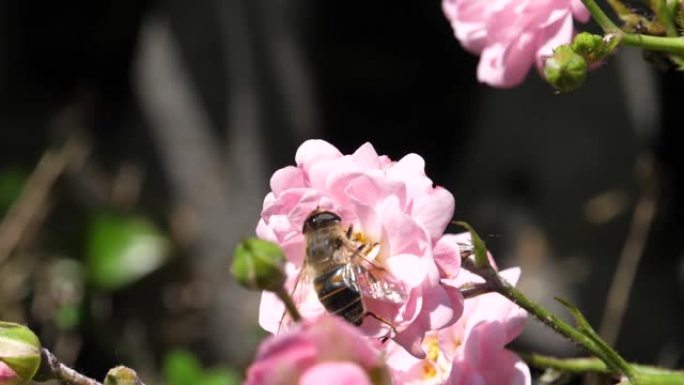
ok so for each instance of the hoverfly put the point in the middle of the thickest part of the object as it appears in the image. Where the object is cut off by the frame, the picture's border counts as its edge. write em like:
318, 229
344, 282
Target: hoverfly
342, 272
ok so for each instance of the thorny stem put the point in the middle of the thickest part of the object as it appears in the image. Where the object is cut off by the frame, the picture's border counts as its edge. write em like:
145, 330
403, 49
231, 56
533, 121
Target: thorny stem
600, 350
649, 374
656, 43
52, 369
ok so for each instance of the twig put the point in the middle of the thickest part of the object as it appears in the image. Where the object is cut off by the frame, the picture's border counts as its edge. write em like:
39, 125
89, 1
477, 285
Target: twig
623, 279
51, 369
29, 207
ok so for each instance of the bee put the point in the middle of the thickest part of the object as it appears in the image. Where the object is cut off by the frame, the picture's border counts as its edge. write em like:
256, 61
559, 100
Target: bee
341, 271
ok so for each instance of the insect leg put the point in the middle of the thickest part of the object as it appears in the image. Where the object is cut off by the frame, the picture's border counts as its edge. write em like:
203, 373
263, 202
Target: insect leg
392, 330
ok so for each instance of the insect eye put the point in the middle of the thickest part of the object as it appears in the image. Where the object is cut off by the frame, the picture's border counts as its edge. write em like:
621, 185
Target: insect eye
321, 219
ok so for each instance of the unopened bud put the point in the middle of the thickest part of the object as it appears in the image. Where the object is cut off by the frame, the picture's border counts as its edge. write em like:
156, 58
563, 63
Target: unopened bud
565, 70
593, 48
122, 375
19, 354
259, 264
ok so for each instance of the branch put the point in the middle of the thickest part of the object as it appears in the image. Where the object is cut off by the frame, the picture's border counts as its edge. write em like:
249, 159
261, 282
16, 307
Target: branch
51, 369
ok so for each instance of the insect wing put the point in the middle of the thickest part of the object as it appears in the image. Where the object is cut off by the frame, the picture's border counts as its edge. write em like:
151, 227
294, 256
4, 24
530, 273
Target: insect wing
300, 288
379, 285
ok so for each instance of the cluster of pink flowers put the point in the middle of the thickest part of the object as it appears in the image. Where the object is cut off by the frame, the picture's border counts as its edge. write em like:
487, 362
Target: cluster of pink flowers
511, 35
392, 204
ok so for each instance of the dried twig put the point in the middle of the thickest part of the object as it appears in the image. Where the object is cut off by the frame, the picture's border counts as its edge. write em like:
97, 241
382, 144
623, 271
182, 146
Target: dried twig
51, 369
30, 207
623, 279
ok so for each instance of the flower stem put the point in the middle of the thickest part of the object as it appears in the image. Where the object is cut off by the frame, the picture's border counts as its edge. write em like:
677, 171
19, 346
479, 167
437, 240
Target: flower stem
647, 374
289, 304
656, 43
592, 343
571, 365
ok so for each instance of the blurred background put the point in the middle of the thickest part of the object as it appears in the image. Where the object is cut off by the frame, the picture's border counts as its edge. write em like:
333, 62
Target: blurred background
137, 139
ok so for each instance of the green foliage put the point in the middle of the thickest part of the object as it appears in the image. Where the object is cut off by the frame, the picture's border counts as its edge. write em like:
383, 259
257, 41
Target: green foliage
123, 249
11, 183
182, 368
479, 248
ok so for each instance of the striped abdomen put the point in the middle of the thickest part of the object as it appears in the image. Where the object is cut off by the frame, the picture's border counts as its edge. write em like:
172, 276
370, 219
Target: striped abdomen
339, 298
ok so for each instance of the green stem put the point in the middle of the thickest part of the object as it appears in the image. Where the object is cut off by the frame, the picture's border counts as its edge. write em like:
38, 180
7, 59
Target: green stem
647, 374
601, 18
289, 304
656, 43
600, 350
571, 365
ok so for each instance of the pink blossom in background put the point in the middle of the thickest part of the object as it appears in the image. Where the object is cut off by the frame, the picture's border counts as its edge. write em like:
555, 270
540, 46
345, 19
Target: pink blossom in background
7, 375
512, 35
472, 351
392, 203
327, 350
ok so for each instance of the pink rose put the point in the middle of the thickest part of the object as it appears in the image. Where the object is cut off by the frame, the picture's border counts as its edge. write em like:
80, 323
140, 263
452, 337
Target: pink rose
391, 204
8, 376
511, 35
472, 351
325, 351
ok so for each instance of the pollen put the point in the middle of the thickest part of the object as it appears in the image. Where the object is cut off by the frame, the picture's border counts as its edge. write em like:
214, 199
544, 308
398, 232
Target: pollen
432, 346
429, 370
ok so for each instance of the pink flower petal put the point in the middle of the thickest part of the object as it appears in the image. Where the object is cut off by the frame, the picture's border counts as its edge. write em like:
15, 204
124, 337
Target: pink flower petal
410, 339
408, 268
447, 253
366, 157
287, 178
281, 361
402, 231
438, 310
579, 11
315, 150
335, 373
434, 211
338, 340
464, 375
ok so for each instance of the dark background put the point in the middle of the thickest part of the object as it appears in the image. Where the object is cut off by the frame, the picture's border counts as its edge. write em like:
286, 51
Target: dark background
194, 105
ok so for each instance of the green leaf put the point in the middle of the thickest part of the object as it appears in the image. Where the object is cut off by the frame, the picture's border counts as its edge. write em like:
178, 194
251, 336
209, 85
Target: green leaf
220, 377
11, 183
181, 368
479, 248
582, 323
123, 249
